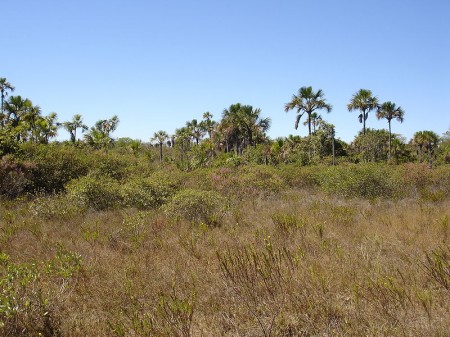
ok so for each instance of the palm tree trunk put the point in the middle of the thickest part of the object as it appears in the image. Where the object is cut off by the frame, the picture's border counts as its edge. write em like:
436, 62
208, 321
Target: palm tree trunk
2, 115
389, 122
364, 121
160, 152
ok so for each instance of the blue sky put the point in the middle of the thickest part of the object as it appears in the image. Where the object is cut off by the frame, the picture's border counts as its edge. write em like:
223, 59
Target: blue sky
158, 64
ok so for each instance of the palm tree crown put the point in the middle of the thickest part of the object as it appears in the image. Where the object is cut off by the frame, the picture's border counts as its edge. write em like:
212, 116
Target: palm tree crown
365, 102
307, 101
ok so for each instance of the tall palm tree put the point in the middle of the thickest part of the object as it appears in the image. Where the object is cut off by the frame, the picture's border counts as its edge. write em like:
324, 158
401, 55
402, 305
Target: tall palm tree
307, 101
160, 137
389, 111
365, 102
4, 87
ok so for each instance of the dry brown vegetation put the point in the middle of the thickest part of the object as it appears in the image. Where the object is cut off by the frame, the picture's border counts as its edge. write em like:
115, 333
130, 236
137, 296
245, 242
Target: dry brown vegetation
276, 257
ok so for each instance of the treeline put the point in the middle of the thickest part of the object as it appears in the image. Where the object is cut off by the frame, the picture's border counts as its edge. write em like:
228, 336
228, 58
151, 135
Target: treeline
238, 137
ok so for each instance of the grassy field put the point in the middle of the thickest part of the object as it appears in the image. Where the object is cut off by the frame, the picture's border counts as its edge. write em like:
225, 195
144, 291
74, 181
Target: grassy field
253, 251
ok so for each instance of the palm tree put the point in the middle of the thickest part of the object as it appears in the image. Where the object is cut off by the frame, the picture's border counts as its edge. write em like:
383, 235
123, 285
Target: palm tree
307, 101
4, 86
196, 129
160, 137
365, 102
426, 142
208, 124
389, 111
72, 126
315, 121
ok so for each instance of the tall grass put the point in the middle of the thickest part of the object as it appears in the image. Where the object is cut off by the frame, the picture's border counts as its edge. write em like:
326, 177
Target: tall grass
246, 251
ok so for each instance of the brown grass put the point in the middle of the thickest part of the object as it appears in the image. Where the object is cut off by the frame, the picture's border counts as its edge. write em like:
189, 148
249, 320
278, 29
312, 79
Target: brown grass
294, 263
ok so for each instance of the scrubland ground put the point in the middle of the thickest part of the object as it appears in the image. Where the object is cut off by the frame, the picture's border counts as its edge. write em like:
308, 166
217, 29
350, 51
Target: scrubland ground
230, 253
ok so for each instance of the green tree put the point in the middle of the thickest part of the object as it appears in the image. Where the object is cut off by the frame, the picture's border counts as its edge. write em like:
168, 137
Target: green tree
73, 125
160, 137
5, 86
316, 119
365, 102
99, 135
242, 125
208, 124
307, 101
390, 111
371, 146
426, 142
196, 130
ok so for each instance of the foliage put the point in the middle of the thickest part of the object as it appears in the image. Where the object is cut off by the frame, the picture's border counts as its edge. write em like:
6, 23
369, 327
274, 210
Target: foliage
15, 177
367, 181
145, 193
54, 165
31, 292
197, 206
95, 193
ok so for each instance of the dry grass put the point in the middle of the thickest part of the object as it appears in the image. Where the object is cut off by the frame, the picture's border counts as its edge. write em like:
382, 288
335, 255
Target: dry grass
295, 263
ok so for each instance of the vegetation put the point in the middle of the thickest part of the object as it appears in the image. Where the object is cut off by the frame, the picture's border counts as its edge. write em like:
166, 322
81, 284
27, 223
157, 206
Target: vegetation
229, 233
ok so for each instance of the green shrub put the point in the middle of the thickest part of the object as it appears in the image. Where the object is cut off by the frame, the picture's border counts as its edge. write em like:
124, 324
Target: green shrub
246, 181
145, 193
55, 165
197, 206
99, 193
57, 207
366, 181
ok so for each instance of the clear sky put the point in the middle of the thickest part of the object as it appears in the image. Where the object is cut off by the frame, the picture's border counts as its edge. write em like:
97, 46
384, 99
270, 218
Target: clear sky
158, 64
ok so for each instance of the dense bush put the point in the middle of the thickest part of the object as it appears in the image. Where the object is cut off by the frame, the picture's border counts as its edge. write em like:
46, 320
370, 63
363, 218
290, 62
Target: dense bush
197, 206
15, 177
367, 181
54, 165
94, 192
144, 193
246, 181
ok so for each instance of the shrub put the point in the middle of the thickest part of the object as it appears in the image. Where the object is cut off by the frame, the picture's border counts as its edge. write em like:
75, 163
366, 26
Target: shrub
197, 206
54, 165
98, 193
55, 207
145, 193
367, 181
14, 177
246, 181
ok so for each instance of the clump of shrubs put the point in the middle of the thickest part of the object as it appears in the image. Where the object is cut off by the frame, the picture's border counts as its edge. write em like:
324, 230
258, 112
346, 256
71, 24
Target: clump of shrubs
146, 193
197, 206
366, 181
15, 177
96, 193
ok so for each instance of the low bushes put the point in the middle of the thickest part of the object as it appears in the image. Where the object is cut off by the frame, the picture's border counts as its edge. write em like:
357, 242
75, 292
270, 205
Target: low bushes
197, 206
92, 192
145, 193
366, 181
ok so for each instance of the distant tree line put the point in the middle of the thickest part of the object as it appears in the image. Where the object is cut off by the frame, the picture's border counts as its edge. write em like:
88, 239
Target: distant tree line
239, 136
